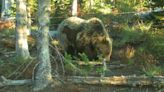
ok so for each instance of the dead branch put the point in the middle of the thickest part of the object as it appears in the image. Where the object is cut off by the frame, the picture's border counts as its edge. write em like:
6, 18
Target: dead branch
94, 63
90, 63
119, 80
8, 82
59, 55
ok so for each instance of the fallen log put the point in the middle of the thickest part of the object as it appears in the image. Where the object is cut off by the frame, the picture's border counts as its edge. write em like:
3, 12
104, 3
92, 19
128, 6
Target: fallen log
94, 63
157, 81
133, 81
8, 82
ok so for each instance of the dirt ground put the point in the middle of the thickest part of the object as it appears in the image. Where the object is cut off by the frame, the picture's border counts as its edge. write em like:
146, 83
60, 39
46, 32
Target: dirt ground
124, 70
81, 88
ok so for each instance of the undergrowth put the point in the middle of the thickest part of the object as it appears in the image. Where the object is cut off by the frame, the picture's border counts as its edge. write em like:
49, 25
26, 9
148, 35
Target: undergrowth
72, 65
146, 45
141, 43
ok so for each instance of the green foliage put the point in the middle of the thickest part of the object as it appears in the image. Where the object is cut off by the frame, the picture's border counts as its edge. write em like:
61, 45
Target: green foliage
72, 66
69, 65
0, 6
131, 5
19, 60
130, 62
68, 56
155, 44
151, 53
83, 57
33, 6
102, 8
8, 32
1, 62
141, 36
129, 35
148, 43
88, 68
156, 3
13, 9
152, 70
99, 70
62, 8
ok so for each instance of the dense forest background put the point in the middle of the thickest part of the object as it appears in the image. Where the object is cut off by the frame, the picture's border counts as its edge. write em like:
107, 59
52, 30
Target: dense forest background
136, 28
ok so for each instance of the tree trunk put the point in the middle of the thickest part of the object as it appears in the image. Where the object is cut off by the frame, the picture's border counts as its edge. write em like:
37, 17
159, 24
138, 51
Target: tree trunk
28, 17
91, 3
42, 75
74, 8
21, 30
5, 10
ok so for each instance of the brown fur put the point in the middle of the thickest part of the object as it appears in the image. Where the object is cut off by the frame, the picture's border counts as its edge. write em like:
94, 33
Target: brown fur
88, 36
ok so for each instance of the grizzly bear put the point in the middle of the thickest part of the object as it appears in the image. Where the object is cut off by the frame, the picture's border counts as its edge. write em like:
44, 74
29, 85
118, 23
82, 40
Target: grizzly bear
78, 35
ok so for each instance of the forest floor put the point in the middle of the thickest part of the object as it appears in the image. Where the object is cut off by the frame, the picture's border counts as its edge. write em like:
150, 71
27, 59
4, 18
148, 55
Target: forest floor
13, 70
120, 65
9, 65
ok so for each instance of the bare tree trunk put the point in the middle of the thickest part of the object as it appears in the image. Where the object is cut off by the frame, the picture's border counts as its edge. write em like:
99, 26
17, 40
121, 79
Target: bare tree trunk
5, 11
28, 17
4, 4
43, 71
91, 3
21, 30
74, 8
